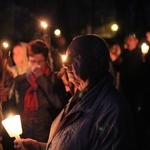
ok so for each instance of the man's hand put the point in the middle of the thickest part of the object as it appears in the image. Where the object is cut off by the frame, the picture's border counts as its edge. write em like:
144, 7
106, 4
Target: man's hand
28, 144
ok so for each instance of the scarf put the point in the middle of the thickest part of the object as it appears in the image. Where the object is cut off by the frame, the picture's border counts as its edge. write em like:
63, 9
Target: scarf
31, 100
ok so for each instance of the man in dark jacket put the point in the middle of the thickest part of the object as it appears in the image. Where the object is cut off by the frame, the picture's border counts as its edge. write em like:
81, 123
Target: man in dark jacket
96, 117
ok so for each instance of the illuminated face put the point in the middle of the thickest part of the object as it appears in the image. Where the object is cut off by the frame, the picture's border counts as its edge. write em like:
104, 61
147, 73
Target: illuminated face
131, 42
39, 60
73, 67
18, 55
148, 35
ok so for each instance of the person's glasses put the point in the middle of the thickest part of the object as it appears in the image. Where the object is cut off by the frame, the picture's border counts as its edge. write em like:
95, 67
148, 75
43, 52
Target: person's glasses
71, 58
36, 62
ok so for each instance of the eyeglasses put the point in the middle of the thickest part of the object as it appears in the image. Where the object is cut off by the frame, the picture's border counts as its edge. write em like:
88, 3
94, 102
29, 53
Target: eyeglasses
36, 62
71, 58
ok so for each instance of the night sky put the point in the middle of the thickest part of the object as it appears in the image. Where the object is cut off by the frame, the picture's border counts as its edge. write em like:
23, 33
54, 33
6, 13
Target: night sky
20, 18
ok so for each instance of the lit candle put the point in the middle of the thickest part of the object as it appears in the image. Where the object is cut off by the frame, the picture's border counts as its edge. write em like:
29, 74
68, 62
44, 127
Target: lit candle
47, 40
5, 45
57, 33
63, 57
5, 55
144, 48
44, 24
13, 127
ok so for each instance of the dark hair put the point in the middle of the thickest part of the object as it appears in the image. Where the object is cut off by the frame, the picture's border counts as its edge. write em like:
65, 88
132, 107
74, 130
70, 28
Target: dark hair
37, 47
17, 44
135, 35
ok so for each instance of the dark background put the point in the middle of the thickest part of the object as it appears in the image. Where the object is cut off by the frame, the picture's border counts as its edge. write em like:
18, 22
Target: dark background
20, 19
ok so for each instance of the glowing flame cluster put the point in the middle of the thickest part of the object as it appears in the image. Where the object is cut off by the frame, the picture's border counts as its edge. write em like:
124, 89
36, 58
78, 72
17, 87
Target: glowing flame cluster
144, 48
44, 24
13, 125
64, 57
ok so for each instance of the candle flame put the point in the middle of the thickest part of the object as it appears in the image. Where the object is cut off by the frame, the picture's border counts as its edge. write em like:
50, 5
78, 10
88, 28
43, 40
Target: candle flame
64, 57
5, 45
144, 48
44, 24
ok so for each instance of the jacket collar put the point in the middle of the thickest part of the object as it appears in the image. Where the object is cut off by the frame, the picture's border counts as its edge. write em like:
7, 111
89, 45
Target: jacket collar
88, 102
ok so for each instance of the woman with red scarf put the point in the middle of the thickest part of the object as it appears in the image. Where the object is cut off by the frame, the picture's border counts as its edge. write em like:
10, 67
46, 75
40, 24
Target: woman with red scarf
39, 94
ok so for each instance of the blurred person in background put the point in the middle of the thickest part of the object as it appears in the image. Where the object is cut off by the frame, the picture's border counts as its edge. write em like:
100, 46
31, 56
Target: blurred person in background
17, 65
115, 51
129, 64
20, 60
144, 96
146, 36
58, 49
39, 95
6, 82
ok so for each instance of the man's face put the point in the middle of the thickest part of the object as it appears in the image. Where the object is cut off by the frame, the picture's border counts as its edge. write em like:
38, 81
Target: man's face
148, 35
132, 42
73, 67
37, 60
18, 55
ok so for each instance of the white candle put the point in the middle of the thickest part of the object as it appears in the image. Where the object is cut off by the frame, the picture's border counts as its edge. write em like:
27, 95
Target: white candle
13, 127
144, 48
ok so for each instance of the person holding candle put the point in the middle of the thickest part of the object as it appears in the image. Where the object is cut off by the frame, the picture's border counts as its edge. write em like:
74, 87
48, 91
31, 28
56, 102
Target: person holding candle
128, 65
97, 116
39, 94
5, 83
17, 65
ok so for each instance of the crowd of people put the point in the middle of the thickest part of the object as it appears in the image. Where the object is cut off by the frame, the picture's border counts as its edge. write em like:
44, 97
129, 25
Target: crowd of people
131, 69
101, 91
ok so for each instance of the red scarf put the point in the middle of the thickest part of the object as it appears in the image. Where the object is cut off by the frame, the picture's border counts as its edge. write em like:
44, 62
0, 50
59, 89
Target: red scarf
31, 100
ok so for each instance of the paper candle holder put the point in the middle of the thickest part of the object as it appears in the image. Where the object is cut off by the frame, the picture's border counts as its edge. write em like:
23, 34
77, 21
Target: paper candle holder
13, 125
